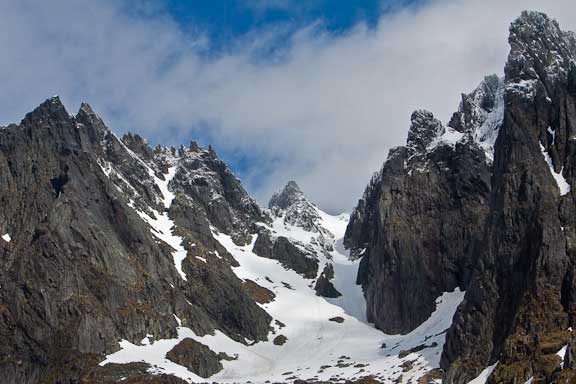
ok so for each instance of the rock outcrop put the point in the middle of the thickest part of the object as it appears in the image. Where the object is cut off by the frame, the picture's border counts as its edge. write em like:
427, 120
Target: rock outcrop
324, 286
195, 356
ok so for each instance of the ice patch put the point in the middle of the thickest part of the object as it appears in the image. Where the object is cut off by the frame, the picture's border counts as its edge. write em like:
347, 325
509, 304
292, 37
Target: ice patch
553, 133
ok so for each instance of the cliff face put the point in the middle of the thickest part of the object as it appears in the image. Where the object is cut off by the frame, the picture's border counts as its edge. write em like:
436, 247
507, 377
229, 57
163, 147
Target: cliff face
417, 225
520, 303
83, 264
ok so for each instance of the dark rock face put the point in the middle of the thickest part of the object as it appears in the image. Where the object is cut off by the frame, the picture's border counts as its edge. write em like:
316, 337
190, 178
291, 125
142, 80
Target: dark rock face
417, 225
195, 356
324, 286
83, 268
521, 301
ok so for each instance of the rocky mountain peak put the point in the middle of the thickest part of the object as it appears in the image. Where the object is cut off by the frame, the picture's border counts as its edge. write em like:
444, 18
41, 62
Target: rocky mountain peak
539, 49
289, 195
291, 204
91, 121
424, 128
85, 108
50, 110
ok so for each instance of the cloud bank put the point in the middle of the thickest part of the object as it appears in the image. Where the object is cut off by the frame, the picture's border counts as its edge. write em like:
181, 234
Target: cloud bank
323, 111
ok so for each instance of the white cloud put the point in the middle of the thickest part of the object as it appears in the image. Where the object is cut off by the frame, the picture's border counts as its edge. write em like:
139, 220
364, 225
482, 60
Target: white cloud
324, 114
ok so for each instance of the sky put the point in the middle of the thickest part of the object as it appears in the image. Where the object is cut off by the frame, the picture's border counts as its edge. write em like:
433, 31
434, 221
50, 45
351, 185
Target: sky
314, 91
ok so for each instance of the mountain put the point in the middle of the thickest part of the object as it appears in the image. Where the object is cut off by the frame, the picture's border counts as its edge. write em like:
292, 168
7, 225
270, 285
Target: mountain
121, 262
484, 205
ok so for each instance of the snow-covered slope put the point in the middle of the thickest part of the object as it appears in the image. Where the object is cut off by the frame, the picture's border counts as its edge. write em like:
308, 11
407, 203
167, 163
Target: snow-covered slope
313, 338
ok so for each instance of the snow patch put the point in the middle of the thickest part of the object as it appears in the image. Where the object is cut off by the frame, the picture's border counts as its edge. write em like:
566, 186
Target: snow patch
451, 136
345, 269
6, 238
562, 354
486, 125
484, 375
162, 225
558, 177
524, 88
312, 340
486, 135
